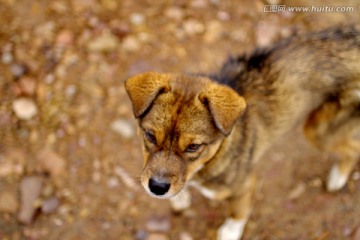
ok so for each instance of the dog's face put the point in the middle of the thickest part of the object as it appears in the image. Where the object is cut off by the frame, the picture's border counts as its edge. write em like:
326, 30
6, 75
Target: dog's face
183, 121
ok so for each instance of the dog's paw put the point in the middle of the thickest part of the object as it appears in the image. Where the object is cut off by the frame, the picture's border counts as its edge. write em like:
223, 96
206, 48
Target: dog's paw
336, 179
180, 202
231, 229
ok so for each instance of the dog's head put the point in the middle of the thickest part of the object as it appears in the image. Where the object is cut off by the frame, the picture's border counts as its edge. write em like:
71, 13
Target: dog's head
183, 121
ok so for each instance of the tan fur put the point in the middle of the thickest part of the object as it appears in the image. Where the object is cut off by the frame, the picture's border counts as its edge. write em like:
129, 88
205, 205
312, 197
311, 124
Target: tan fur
233, 117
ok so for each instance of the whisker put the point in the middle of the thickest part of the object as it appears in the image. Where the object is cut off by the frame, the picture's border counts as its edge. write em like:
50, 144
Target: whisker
126, 178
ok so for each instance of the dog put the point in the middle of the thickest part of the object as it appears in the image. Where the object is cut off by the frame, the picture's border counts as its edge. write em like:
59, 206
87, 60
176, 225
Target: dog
208, 131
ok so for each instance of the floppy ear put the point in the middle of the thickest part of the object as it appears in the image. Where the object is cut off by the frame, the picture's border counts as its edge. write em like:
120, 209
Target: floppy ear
143, 88
225, 105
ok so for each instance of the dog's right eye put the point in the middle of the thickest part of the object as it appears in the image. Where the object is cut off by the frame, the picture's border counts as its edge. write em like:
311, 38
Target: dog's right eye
150, 136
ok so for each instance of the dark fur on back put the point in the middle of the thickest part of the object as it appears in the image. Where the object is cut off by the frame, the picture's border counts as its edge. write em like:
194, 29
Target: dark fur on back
239, 72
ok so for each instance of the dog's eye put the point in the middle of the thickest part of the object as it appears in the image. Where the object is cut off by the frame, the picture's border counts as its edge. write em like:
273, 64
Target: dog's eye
150, 136
193, 147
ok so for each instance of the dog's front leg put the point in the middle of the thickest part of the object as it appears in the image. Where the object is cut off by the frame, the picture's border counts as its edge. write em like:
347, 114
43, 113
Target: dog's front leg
240, 209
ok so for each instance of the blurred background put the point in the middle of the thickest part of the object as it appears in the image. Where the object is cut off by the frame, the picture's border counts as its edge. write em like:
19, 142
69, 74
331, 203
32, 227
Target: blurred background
69, 156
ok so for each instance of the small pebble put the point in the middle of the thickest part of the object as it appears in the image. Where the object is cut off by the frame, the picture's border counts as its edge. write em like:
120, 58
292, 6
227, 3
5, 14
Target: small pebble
141, 235
315, 182
71, 90
137, 18
50, 205
51, 162
18, 69
113, 182
124, 128
355, 176
199, 3
64, 38
106, 42
175, 13
193, 27
130, 44
158, 224
7, 58
185, 236
27, 85
266, 33
30, 189
24, 108
297, 191
223, 16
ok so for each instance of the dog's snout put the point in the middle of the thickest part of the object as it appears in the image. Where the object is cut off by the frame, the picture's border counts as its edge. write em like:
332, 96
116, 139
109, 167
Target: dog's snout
158, 187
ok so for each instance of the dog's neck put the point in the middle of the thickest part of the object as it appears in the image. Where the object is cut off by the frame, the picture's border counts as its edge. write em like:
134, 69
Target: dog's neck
216, 168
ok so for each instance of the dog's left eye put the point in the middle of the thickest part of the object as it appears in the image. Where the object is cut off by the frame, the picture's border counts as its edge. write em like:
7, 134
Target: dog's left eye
150, 136
193, 147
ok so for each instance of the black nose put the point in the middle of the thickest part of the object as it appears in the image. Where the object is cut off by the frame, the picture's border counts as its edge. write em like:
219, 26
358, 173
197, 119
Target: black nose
158, 187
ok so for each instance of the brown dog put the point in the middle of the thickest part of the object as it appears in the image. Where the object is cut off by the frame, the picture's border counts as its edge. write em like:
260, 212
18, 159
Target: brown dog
207, 131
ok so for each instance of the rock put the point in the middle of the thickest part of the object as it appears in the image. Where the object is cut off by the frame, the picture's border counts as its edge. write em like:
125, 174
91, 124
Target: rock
130, 44
7, 57
8, 202
315, 182
71, 90
18, 69
158, 224
24, 108
192, 27
30, 190
50, 205
106, 42
223, 16
137, 18
185, 236
64, 38
355, 176
175, 13
124, 128
157, 236
266, 33
27, 85
113, 182
13, 163
199, 4
51, 162
141, 235
297, 191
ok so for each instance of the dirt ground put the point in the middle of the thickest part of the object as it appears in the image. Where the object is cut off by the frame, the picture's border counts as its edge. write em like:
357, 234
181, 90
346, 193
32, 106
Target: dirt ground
69, 155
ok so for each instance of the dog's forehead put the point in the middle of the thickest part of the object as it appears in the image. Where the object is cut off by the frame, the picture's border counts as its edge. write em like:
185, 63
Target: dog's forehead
180, 109
188, 86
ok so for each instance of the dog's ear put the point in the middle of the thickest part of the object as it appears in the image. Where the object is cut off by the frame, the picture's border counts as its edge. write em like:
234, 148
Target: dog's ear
225, 105
143, 88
